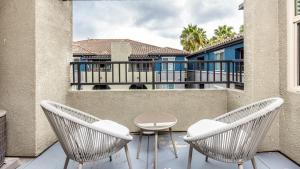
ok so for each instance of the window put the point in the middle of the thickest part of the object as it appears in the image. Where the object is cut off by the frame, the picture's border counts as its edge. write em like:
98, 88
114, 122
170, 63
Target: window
239, 55
293, 45
170, 65
219, 55
202, 65
142, 67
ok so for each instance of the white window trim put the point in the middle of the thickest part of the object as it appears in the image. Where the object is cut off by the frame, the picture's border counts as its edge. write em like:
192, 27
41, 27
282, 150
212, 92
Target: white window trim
219, 51
292, 66
219, 66
168, 59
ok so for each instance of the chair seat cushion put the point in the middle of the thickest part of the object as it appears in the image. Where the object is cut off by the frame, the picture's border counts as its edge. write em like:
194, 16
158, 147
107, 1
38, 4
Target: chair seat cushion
88, 145
204, 126
112, 126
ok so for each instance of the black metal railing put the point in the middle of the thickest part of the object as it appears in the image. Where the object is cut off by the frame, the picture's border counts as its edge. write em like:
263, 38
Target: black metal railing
155, 73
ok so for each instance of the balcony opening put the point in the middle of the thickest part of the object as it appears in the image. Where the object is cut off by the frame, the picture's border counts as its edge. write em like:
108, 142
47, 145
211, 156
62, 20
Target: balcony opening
143, 53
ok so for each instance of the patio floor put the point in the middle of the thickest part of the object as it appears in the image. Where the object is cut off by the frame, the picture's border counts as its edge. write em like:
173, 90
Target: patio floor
54, 158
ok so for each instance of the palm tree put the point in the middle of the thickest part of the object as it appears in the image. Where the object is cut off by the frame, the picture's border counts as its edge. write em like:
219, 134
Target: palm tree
193, 38
242, 29
223, 32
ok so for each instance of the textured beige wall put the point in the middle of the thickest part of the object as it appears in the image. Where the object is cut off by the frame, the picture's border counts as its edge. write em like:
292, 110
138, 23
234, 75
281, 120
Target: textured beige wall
265, 48
188, 106
261, 61
120, 51
35, 42
289, 120
17, 77
53, 53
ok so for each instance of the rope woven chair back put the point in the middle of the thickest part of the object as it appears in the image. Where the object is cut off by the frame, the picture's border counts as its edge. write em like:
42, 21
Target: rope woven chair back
79, 141
247, 126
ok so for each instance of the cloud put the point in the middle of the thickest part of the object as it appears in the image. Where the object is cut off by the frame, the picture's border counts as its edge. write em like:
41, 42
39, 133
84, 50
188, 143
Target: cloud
157, 22
205, 11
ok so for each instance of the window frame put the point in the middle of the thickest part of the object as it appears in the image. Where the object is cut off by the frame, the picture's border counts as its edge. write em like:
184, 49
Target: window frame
164, 65
293, 37
221, 54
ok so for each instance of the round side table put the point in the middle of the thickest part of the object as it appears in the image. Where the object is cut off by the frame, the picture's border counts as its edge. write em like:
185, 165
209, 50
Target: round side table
155, 122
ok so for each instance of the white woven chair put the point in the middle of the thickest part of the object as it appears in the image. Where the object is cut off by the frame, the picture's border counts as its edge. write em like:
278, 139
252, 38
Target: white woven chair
84, 137
234, 136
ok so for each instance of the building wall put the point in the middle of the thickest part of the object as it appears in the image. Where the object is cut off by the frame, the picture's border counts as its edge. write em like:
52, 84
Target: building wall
53, 37
289, 120
17, 74
261, 62
33, 51
229, 53
188, 106
177, 66
120, 51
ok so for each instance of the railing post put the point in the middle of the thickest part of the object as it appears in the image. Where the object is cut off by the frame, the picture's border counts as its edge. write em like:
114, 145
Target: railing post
153, 74
228, 75
78, 76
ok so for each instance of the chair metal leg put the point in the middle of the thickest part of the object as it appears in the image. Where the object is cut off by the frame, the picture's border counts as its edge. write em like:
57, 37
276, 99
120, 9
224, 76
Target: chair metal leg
155, 154
206, 159
139, 145
190, 158
80, 165
66, 163
241, 166
128, 157
174, 146
254, 163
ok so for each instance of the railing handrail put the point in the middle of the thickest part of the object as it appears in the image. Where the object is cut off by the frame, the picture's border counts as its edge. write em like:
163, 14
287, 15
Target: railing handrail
136, 72
156, 61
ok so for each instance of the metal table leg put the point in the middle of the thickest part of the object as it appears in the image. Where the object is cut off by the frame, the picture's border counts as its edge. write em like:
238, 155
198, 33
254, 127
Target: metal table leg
174, 146
139, 145
155, 155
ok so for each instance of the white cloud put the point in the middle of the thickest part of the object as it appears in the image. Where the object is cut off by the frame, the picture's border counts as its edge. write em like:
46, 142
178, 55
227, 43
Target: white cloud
158, 22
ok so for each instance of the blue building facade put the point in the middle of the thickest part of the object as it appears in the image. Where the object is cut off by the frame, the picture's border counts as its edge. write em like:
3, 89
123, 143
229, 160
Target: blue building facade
230, 49
163, 66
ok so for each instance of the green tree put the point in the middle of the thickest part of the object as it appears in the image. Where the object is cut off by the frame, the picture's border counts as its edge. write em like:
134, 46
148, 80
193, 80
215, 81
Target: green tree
223, 32
242, 29
193, 38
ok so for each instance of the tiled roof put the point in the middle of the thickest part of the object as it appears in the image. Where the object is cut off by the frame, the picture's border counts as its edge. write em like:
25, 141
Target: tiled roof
235, 38
168, 51
102, 47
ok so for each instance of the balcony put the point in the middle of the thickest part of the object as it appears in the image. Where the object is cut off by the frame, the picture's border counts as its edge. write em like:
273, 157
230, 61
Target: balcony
35, 55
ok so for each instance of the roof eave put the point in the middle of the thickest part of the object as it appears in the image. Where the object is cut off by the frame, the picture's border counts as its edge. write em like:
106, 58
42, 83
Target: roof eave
218, 47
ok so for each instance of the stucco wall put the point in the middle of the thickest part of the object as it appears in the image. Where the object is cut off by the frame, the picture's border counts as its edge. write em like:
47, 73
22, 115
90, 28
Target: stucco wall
289, 120
35, 42
188, 106
261, 61
53, 53
265, 48
17, 77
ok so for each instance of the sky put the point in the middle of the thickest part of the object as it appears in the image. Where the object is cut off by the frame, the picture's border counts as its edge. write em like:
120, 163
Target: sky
156, 22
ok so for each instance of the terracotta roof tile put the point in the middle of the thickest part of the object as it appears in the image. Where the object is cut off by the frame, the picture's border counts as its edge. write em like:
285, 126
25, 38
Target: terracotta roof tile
102, 47
168, 51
